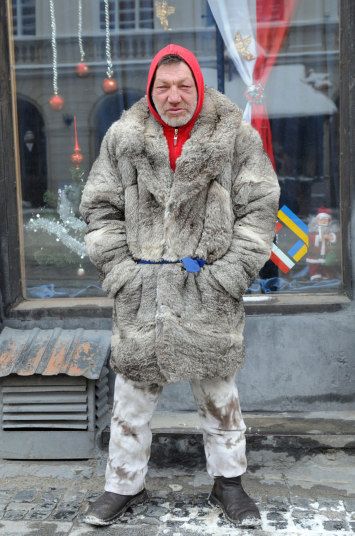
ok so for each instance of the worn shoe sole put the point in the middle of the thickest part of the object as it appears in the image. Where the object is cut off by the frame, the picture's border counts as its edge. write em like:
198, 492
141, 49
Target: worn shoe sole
93, 520
249, 521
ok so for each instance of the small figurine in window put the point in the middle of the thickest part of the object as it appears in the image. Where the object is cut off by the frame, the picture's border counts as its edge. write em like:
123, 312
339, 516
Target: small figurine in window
323, 258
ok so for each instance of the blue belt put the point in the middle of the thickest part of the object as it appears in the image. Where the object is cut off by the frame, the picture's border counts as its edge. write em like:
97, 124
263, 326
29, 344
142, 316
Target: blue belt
191, 264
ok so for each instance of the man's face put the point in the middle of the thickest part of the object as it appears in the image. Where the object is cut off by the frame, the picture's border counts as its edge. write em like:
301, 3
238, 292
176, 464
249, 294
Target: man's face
174, 93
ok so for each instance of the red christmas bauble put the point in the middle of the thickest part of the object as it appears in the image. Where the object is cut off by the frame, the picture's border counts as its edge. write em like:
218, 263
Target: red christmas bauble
56, 102
82, 69
77, 157
109, 85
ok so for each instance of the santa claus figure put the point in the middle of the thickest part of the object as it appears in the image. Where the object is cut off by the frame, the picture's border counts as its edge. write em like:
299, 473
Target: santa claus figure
322, 258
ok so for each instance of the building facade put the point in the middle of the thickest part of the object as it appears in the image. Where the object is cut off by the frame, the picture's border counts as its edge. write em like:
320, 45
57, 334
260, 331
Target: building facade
300, 330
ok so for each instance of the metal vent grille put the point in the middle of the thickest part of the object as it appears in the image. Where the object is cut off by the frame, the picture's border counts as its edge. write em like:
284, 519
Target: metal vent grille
44, 404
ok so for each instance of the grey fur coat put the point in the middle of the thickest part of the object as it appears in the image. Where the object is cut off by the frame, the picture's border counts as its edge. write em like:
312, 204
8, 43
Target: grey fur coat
220, 204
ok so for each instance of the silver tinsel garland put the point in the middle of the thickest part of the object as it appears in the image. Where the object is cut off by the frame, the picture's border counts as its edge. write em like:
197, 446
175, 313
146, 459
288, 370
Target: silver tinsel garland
60, 228
66, 212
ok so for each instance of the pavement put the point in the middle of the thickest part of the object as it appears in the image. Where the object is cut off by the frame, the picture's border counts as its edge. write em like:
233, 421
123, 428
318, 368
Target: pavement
300, 490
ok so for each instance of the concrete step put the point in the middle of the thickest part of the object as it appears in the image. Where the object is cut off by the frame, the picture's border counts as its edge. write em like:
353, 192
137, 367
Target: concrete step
306, 430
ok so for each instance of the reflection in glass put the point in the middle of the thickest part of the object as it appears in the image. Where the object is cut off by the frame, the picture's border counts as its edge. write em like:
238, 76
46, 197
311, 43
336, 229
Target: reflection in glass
289, 76
301, 96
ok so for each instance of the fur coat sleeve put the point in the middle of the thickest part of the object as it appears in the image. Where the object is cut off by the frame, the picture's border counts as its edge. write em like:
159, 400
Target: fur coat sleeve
102, 208
255, 197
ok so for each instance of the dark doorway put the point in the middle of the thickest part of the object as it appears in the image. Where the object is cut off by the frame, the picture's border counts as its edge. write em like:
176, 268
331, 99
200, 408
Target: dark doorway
33, 154
109, 109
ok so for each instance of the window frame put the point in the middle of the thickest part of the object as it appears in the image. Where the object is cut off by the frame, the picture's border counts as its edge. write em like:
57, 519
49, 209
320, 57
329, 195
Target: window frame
20, 19
116, 18
11, 267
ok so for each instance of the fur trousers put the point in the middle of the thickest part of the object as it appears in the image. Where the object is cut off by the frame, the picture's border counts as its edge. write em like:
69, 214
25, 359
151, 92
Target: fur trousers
130, 443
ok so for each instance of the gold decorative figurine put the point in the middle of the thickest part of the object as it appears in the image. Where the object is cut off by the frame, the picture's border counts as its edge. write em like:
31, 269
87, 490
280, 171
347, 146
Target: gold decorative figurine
163, 12
242, 45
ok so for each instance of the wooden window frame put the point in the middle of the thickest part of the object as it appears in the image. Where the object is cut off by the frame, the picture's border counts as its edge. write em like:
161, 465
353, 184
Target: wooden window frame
15, 306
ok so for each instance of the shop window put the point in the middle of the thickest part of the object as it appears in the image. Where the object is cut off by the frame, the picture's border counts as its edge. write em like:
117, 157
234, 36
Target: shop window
300, 95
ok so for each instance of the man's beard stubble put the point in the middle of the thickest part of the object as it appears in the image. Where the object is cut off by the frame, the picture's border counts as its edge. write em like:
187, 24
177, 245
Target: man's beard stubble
178, 121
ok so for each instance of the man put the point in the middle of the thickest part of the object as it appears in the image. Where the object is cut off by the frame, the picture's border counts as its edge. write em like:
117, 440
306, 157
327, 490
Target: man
180, 205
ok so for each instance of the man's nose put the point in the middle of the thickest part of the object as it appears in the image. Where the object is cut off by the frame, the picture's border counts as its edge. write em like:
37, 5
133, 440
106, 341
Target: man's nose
174, 95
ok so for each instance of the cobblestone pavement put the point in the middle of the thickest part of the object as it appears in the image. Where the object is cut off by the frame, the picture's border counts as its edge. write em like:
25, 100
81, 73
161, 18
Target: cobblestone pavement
311, 495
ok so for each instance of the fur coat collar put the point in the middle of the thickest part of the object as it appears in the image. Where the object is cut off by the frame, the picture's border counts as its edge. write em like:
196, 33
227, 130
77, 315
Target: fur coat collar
210, 146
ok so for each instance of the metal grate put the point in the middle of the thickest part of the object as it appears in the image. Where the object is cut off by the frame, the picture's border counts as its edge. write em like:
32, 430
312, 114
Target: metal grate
53, 392
44, 404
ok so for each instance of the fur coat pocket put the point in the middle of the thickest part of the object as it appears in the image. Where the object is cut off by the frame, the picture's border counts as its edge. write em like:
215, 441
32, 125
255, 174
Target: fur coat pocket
199, 327
127, 300
133, 328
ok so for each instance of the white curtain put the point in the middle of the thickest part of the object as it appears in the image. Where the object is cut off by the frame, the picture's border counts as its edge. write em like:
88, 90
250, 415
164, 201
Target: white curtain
234, 19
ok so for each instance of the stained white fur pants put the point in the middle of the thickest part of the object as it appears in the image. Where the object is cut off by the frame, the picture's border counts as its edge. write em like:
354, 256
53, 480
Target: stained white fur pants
134, 404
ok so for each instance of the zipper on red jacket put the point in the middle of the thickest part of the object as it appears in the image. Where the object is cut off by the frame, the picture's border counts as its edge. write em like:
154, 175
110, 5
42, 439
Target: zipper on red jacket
176, 130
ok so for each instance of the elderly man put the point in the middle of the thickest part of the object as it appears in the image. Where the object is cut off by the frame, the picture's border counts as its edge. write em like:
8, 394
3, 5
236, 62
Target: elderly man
181, 206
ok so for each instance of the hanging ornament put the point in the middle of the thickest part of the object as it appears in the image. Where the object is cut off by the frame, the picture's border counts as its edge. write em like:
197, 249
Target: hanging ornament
163, 12
109, 84
56, 102
82, 69
77, 156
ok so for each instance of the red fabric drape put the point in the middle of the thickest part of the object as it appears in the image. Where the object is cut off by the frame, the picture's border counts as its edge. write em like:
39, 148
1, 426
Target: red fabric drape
273, 18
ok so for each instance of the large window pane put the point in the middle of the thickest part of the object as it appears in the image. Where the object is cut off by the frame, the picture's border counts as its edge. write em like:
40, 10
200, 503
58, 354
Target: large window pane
302, 103
301, 99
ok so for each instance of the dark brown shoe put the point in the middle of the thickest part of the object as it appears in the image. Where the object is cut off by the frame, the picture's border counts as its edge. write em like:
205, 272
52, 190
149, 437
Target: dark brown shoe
110, 506
237, 506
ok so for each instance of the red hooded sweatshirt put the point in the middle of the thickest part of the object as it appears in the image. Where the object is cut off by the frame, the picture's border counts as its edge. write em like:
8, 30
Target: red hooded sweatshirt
176, 137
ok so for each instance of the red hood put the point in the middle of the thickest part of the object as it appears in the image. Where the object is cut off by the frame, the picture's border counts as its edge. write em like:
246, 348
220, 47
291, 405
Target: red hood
192, 62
